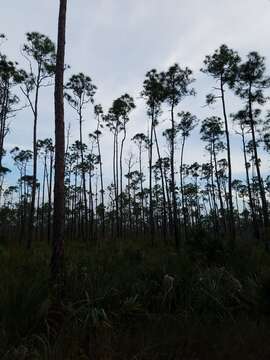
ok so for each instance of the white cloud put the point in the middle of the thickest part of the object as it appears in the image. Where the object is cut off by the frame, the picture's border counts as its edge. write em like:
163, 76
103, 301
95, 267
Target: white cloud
116, 42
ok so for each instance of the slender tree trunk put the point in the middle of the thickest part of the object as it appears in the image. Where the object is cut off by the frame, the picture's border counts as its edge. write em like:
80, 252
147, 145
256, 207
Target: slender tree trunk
231, 217
182, 187
121, 181
85, 217
168, 200
141, 186
164, 227
219, 187
50, 198
151, 214
114, 173
96, 206
129, 199
101, 187
251, 203
117, 180
215, 208
35, 154
45, 175
3, 114
257, 165
91, 204
175, 218
59, 199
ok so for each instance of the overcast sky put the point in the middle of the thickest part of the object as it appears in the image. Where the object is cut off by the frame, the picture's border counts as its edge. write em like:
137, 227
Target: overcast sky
117, 41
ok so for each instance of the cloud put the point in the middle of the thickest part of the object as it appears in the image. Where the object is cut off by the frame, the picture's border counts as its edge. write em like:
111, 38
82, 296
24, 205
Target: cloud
117, 42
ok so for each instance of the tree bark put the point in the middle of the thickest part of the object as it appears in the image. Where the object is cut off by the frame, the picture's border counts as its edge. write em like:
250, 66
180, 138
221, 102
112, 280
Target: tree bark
59, 200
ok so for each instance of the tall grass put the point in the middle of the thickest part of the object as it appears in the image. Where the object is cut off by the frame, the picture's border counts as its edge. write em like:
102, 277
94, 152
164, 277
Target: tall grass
114, 305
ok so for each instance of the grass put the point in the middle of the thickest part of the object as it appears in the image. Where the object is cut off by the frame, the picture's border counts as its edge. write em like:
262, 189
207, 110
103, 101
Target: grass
115, 307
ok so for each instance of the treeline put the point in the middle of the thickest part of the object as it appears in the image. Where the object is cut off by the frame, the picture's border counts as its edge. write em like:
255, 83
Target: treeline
153, 193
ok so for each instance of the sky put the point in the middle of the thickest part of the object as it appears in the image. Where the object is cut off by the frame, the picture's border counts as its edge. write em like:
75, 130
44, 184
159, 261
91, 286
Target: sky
116, 42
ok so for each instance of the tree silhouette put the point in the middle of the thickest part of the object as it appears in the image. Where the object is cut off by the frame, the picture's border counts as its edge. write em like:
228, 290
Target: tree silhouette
251, 83
39, 51
154, 95
187, 123
223, 66
79, 92
59, 200
176, 82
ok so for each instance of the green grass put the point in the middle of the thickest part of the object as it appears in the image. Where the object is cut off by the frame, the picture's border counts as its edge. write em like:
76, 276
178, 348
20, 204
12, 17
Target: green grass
114, 305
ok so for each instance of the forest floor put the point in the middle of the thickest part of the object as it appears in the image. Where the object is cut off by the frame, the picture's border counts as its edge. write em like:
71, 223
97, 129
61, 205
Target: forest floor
115, 305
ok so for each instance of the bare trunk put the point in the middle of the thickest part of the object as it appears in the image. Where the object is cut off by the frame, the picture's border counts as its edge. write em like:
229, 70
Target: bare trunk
34, 180
101, 188
251, 203
231, 217
257, 165
151, 215
164, 227
175, 218
85, 217
59, 199
121, 181
182, 187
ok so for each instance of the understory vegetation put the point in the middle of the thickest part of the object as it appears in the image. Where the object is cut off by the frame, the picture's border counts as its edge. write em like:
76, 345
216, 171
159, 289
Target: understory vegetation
116, 307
